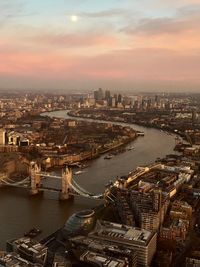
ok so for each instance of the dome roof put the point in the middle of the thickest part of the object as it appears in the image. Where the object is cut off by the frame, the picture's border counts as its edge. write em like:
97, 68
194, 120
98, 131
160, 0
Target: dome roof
80, 223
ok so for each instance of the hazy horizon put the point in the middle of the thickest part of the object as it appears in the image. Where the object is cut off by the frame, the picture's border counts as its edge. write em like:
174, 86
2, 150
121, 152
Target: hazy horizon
81, 45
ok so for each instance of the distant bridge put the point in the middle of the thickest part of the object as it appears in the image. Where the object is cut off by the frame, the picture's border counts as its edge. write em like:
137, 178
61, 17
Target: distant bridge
69, 187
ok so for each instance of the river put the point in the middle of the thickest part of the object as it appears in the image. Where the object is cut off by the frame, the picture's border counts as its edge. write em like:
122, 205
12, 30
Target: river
19, 212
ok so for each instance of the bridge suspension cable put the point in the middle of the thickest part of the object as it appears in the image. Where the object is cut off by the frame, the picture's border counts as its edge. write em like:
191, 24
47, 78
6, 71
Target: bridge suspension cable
27, 179
80, 188
83, 193
46, 174
20, 183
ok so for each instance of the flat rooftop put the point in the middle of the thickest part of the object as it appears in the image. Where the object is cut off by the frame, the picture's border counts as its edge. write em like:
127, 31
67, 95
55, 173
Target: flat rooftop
13, 259
29, 244
122, 232
104, 260
99, 245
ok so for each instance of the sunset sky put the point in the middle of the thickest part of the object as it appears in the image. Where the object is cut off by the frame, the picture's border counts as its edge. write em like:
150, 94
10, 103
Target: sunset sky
86, 44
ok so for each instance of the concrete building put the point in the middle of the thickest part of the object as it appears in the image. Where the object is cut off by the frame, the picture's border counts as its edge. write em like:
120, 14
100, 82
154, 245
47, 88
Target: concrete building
149, 209
177, 230
99, 94
14, 260
193, 260
61, 261
29, 250
181, 210
123, 208
81, 244
113, 102
107, 95
2, 137
102, 260
140, 240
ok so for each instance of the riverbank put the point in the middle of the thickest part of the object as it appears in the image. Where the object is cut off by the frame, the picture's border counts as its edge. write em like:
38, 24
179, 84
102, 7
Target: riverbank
83, 141
120, 120
146, 143
40, 210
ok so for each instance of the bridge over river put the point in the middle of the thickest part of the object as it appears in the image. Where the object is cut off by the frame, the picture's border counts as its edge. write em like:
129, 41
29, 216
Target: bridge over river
68, 189
19, 213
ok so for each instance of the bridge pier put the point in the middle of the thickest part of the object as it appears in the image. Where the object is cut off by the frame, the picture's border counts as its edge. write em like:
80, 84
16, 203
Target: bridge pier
35, 178
66, 179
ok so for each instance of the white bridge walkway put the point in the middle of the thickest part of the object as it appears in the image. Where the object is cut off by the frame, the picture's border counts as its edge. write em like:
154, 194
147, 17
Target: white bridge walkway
68, 189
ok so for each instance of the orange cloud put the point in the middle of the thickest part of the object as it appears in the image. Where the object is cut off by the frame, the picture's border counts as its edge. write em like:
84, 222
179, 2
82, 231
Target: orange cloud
136, 64
76, 40
35, 64
153, 49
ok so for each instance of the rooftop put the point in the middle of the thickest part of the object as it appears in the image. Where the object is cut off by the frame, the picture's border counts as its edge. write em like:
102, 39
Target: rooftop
13, 259
102, 259
29, 244
85, 213
99, 245
122, 232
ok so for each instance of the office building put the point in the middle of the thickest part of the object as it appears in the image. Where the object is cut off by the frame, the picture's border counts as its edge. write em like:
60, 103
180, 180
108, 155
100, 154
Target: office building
193, 260
107, 95
102, 260
29, 250
149, 209
14, 260
81, 244
139, 240
99, 94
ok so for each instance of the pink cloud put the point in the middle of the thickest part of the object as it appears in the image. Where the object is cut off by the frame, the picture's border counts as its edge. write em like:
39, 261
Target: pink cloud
145, 64
35, 64
76, 40
156, 49
136, 64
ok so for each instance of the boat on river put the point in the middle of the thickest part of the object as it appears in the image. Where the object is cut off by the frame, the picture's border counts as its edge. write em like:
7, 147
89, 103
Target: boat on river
108, 157
74, 164
78, 172
33, 232
130, 148
140, 133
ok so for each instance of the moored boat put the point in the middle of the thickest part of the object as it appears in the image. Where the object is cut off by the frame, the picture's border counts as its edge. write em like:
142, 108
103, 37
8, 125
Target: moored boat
130, 148
78, 172
108, 157
33, 232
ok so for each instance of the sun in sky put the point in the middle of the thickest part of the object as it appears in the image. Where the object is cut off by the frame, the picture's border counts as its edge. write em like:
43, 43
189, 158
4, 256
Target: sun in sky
74, 18
107, 43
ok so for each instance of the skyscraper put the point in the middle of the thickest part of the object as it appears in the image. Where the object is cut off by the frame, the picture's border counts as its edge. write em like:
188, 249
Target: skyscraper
98, 94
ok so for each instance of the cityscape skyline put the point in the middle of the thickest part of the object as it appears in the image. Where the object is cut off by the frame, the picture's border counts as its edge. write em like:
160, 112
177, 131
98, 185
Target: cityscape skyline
140, 45
117, 175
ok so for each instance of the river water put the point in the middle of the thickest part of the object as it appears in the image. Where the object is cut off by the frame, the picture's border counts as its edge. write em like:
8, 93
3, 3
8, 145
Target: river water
19, 212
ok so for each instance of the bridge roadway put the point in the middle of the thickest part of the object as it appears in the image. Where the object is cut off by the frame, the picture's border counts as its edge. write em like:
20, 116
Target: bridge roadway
74, 188
47, 188
48, 175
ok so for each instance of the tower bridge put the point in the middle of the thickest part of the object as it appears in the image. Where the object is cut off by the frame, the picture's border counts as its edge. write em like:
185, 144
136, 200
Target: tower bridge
69, 187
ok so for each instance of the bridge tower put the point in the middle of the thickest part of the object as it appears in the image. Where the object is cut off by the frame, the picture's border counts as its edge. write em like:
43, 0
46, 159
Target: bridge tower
66, 181
35, 170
